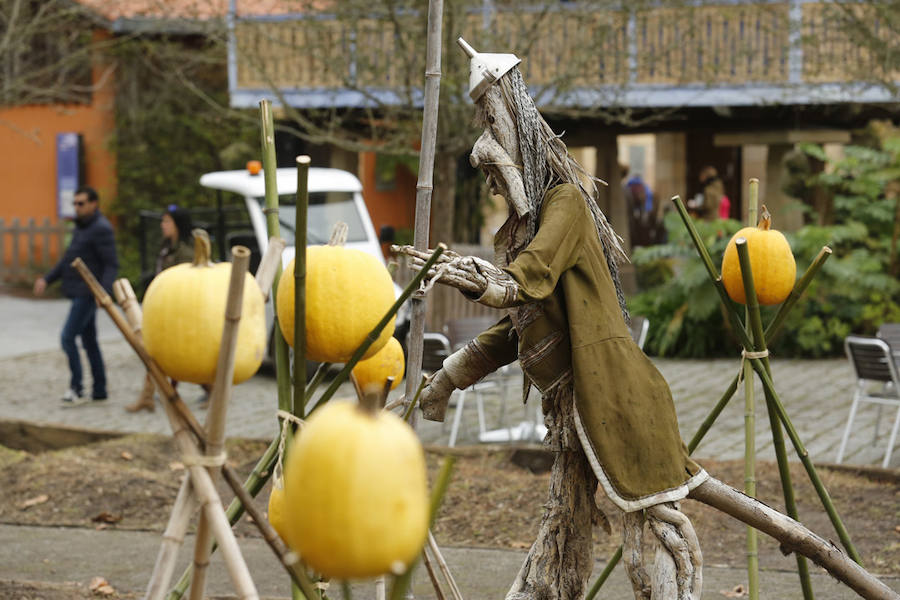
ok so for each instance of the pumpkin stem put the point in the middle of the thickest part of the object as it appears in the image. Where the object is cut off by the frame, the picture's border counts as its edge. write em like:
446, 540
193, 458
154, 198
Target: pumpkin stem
202, 248
338, 234
369, 403
765, 219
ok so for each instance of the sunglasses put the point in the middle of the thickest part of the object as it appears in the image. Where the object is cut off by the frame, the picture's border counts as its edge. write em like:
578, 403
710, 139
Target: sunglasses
80, 202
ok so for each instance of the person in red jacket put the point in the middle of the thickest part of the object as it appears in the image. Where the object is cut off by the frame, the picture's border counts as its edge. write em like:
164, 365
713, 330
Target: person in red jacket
94, 243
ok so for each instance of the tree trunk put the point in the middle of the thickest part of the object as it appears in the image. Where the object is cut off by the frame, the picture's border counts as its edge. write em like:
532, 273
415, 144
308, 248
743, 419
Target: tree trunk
442, 199
560, 560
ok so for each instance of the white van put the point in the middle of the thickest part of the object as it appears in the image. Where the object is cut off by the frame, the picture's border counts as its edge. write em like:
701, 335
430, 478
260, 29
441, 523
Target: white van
334, 195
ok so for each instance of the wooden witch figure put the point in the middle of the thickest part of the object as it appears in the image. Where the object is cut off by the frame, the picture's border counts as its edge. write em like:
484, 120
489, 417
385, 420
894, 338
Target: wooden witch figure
609, 412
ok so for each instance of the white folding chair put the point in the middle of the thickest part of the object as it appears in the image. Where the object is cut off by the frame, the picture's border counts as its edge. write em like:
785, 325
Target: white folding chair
457, 333
873, 363
639, 328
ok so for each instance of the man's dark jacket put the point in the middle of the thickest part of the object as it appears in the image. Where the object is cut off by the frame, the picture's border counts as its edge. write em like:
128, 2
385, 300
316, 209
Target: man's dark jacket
93, 242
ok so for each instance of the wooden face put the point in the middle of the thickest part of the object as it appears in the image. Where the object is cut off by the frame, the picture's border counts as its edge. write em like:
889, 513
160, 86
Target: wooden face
497, 152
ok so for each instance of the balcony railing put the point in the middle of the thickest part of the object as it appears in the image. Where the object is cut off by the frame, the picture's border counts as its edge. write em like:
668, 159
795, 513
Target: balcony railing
696, 53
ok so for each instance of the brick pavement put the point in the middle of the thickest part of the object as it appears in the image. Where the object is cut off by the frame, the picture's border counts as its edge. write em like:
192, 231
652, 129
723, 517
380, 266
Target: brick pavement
816, 394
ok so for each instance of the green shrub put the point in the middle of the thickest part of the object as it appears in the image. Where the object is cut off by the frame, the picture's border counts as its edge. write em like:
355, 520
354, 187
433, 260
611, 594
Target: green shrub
855, 291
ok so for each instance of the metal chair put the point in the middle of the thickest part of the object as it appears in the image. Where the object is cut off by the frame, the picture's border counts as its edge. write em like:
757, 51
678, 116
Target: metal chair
639, 327
458, 333
872, 362
890, 332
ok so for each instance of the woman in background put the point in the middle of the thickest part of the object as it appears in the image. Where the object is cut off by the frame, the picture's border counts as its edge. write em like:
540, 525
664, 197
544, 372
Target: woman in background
177, 247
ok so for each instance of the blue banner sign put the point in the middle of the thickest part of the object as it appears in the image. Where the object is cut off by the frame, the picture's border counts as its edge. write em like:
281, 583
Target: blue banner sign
68, 153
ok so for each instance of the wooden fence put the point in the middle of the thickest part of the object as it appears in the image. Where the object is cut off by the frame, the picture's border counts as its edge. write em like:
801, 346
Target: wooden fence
28, 249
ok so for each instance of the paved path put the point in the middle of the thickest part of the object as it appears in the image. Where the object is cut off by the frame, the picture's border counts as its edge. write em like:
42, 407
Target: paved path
33, 373
125, 559
815, 393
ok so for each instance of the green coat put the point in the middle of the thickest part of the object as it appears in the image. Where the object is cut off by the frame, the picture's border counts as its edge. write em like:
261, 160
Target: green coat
171, 255
566, 328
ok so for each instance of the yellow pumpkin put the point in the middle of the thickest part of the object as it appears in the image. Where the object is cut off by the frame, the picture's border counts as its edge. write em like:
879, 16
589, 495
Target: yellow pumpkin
184, 312
771, 260
276, 507
356, 486
348, 291
371, 373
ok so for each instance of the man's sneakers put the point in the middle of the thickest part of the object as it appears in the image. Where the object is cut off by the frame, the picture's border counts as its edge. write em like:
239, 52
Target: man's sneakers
73, 398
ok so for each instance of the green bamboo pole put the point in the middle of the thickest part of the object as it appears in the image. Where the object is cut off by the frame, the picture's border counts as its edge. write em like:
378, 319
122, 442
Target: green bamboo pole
407, 415
755, 323
282, 357
607, 571
317, 378
401, 582
750, 404
270, 174
300, 286
376, 331
775, 327
803, 454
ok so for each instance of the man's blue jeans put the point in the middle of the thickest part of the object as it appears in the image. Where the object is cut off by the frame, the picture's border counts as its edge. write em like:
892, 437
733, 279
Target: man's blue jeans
82, 322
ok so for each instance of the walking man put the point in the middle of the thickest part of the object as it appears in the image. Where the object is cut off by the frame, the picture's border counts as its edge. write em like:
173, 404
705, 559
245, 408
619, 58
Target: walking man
93, 242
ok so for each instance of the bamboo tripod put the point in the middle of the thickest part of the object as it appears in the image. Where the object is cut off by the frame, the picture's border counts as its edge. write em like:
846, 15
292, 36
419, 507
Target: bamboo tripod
755, 340
194, 443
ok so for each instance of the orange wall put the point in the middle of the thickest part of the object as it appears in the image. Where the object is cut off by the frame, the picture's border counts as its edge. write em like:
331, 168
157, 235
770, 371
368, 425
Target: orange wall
395, 207
28, 152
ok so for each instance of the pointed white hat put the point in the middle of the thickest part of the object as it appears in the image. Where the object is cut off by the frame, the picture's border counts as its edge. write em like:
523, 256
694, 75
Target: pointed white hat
485, 69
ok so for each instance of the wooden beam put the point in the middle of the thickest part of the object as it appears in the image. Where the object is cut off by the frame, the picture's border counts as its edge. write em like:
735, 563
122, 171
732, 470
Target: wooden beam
787, 136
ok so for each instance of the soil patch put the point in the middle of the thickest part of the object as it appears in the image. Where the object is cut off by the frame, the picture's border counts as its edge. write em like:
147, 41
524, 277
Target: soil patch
131, 482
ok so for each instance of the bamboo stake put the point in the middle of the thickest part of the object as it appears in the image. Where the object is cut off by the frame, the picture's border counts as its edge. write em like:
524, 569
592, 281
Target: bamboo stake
212, 507
750, 407
124, 295
218, 404
793, 536
200, 480
379, 588
255, 481
401, 583
289, 560
185, 502
317, 378
376, 331
162, 382
173, 538
755, 324
768, 386
416, 340
772, 332
300, 286
268, 265
252, 485
426, 560
442, 565
270, 174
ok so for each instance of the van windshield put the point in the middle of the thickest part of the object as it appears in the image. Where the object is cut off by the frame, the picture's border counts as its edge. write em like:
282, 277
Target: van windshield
325, 209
